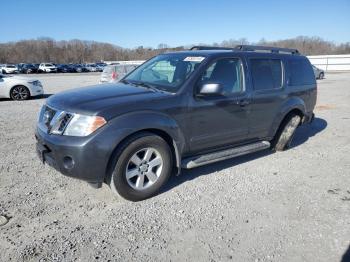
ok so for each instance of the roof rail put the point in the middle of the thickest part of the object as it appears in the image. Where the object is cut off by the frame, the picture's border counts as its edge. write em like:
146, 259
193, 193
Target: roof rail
200, 47
250, 48
267, 48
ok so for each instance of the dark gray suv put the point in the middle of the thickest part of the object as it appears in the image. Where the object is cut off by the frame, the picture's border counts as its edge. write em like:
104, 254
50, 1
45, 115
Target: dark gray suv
177, 110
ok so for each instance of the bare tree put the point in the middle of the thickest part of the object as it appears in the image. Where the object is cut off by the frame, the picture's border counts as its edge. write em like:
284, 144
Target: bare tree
45, 49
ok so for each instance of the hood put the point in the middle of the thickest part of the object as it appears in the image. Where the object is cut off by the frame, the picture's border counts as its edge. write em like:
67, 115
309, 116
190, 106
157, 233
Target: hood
94, 100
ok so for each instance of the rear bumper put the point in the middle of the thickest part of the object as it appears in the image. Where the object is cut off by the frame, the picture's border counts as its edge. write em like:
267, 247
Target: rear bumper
308, 118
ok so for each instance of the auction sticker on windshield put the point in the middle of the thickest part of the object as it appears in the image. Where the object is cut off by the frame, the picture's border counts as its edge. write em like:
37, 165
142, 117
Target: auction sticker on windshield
194, 58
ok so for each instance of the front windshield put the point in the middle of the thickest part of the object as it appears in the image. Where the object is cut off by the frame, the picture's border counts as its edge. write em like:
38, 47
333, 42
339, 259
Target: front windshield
165, 72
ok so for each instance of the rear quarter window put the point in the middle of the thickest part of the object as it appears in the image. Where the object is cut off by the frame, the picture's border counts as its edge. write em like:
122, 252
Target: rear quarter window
266, 73
300, 72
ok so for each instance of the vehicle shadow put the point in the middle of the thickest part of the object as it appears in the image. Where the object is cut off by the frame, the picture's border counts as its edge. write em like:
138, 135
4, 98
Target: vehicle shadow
346, 256
44, 96
304, 132
32, 98
302, 135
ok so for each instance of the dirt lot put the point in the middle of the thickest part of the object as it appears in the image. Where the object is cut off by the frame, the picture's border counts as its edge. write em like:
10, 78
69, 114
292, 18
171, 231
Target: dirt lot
290, 206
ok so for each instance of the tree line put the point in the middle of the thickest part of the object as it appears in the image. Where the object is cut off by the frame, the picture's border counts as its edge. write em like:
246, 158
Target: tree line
80, 51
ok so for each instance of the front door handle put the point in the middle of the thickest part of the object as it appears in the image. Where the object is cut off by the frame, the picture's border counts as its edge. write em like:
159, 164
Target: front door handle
243, 102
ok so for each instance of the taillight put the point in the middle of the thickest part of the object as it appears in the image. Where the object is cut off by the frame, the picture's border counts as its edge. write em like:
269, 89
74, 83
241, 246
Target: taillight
114, 75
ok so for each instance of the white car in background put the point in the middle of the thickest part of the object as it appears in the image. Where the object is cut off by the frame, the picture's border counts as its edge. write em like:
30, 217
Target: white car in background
47, 68
91, 67
113, 73
8, 69
19, 88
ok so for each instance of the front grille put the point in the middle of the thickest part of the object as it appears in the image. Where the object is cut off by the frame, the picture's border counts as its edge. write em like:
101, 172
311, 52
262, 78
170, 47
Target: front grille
64, 122
53, 121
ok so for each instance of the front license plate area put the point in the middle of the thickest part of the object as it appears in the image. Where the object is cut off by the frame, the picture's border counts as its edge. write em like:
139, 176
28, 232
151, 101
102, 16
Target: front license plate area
41, 150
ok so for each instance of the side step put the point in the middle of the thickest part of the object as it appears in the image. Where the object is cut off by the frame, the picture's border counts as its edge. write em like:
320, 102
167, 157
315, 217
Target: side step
224, 154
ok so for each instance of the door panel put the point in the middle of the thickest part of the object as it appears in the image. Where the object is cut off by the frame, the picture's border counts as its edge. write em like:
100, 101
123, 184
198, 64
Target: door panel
264, 108
218, 122
223, 119
3, 89
268, 94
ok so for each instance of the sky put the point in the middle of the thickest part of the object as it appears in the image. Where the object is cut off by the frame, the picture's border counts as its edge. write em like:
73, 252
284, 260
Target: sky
132, 23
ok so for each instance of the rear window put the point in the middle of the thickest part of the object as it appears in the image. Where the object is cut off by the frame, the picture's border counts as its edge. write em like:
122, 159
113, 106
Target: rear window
119, 69
108, 70
266, 73
300, 72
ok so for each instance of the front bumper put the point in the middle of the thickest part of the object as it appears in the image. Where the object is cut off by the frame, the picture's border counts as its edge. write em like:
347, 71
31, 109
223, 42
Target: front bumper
84, 158
36, 90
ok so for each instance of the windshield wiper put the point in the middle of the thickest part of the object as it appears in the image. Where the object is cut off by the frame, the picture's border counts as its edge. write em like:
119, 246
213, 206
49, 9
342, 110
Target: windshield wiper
143, 84
125, 81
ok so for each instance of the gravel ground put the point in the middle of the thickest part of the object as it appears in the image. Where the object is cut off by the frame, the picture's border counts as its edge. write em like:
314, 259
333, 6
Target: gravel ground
289, 206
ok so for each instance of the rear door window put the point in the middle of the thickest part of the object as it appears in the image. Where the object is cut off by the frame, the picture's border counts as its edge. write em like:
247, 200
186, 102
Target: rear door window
267, 74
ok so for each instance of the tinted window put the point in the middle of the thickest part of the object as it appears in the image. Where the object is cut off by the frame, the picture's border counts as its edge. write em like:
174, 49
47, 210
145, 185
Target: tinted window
266, 73
228, 72
300, 72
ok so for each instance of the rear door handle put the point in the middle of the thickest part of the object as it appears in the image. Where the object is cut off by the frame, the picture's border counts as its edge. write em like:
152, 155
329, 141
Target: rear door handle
243, 102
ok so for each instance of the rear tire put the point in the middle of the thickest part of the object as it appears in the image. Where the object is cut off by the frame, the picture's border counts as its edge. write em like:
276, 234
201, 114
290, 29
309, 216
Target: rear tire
20, 93
144, 164
285, 133
321, 76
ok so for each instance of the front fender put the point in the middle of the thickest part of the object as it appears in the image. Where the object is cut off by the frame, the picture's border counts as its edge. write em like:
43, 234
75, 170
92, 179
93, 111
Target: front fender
130, 123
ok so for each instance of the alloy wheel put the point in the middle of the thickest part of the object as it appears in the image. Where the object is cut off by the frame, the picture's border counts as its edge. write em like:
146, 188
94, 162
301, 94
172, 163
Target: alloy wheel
20, 93
144, 168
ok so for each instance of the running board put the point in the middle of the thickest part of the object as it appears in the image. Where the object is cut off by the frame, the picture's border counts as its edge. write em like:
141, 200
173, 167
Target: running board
224, 154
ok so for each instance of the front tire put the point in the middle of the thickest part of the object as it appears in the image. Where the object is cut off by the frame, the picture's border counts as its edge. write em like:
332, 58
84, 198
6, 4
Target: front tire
321, 76
143, 166
285, 133
19, 93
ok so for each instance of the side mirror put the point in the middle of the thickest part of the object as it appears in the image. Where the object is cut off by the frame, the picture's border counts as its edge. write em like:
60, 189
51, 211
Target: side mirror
210, 89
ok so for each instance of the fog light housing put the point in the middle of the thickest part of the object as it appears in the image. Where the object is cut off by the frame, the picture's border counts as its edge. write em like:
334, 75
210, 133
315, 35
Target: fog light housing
68, 162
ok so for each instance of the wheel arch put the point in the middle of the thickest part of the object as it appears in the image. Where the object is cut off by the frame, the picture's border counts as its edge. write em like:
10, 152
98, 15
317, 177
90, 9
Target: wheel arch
12, 87
136, 123
176, 156
295, 105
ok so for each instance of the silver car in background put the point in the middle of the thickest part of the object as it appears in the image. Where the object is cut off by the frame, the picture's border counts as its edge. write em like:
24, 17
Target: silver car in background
91, 67
319, 73
113, 73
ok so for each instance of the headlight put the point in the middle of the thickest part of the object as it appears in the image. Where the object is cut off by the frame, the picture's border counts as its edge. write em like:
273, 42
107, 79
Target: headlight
69, 124
35, 83
81, 125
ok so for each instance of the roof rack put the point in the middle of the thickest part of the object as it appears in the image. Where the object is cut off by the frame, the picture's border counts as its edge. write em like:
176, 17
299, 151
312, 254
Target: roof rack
250, 48
201, 47
267, 48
